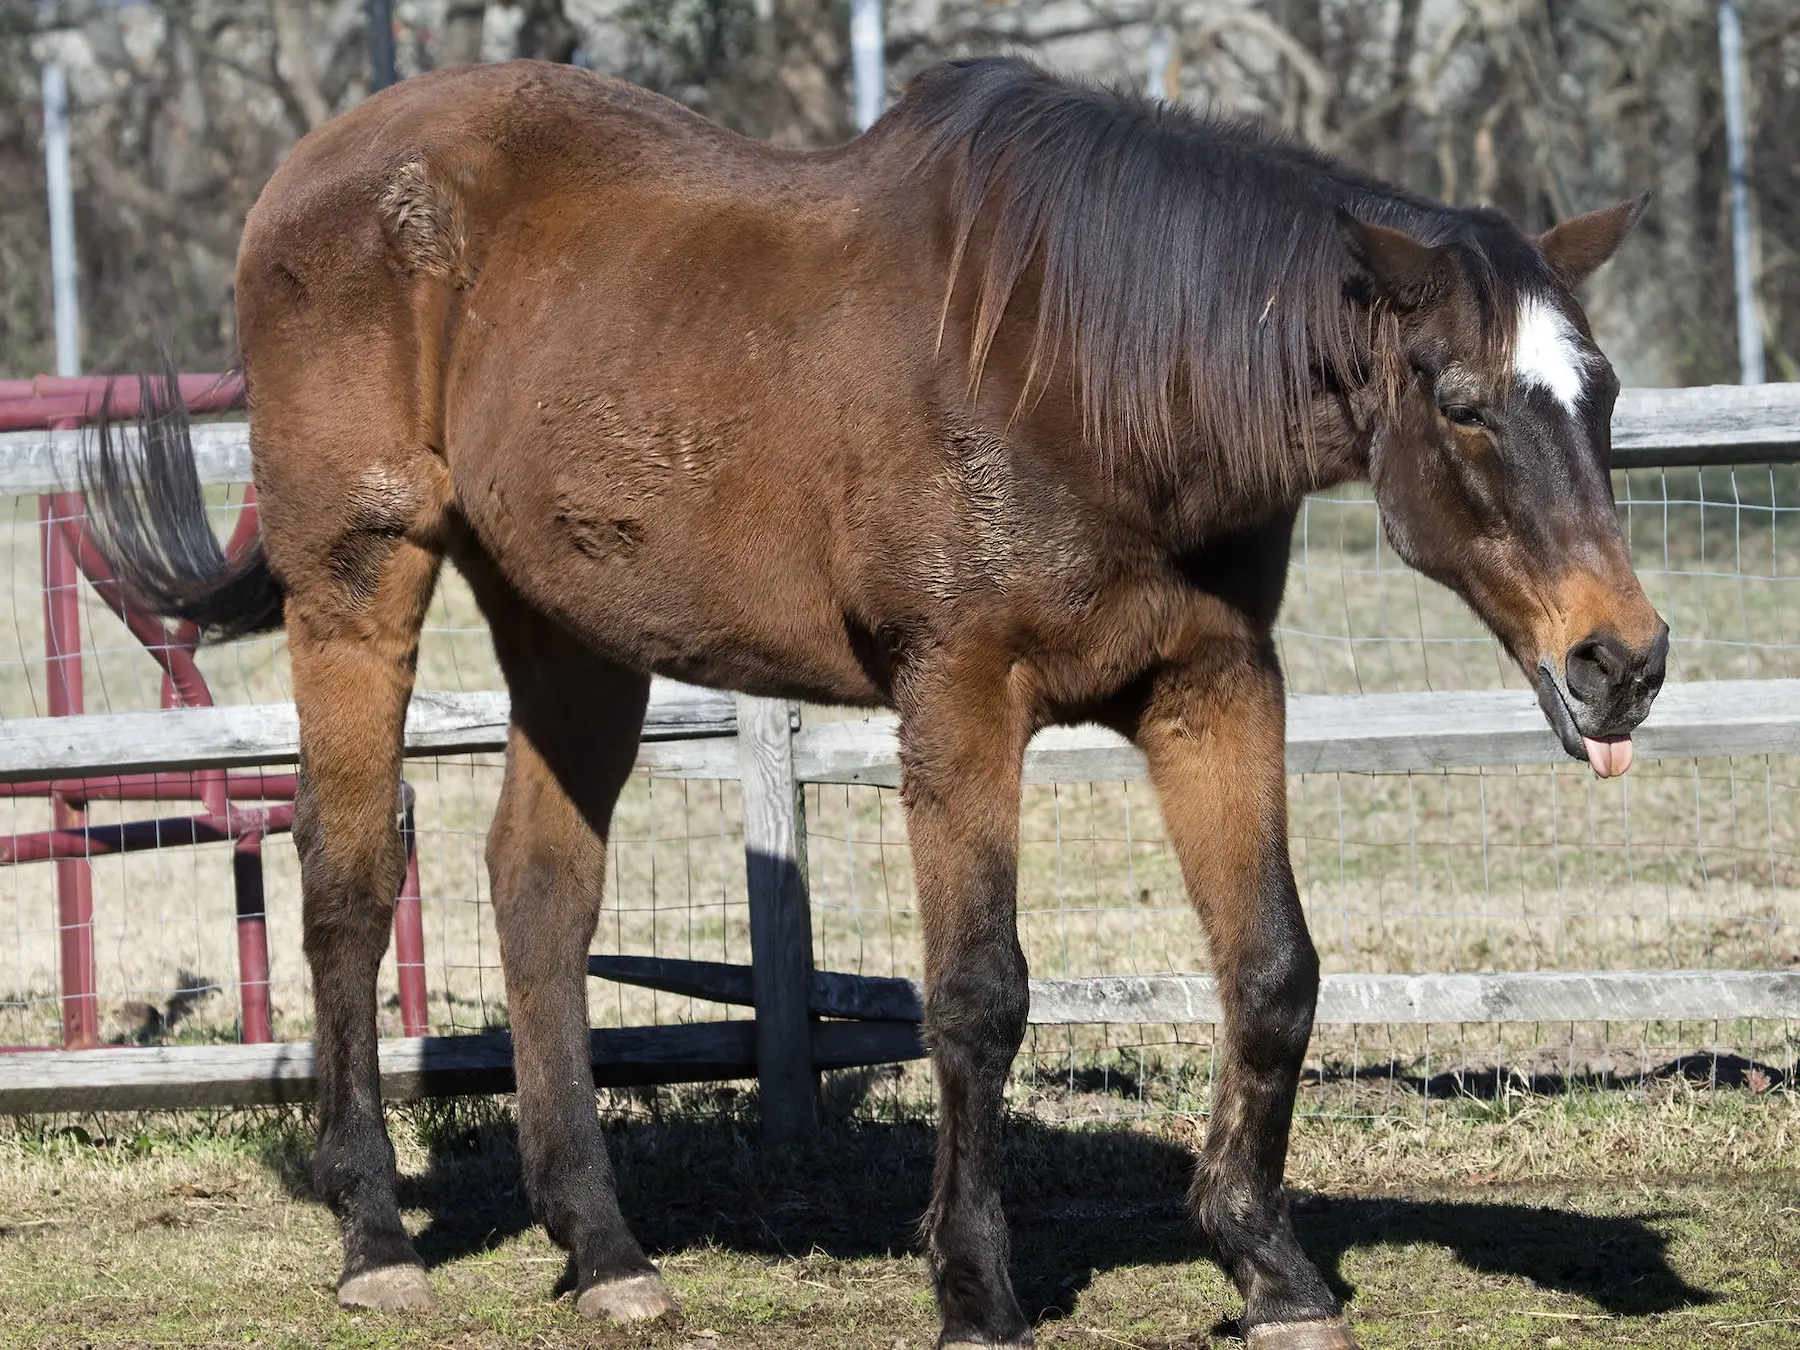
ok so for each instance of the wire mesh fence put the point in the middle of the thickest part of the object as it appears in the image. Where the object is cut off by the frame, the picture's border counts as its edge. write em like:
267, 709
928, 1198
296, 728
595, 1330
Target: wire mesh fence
1718, 551
1683, 863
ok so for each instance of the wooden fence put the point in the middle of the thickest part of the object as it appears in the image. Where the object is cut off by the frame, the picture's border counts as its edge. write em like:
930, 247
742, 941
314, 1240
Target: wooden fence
808, 1020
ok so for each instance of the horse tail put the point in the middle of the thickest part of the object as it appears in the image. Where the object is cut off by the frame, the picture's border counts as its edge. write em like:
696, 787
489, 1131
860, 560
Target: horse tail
147, 512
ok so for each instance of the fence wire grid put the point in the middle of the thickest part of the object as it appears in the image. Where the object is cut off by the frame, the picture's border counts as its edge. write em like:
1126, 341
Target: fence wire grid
1682, 863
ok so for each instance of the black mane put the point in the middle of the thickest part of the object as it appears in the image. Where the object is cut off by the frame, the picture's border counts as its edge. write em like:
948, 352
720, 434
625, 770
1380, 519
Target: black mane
1186, 262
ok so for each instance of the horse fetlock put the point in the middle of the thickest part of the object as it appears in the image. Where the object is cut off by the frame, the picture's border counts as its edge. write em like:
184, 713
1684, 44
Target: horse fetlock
635, 1298
1282, 1289
397, 1288
1230, 1210
1260, 1252
361, 1204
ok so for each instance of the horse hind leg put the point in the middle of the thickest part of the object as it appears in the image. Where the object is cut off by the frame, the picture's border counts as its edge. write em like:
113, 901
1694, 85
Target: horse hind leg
570, 749
358, 585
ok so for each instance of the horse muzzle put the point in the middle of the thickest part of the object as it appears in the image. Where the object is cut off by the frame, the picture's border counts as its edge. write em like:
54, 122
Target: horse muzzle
1601, 694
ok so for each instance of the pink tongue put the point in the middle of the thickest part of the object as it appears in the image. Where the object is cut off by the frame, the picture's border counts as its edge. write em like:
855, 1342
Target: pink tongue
1610, 757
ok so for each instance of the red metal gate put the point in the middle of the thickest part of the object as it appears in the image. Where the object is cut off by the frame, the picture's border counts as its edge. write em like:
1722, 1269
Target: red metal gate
69, 555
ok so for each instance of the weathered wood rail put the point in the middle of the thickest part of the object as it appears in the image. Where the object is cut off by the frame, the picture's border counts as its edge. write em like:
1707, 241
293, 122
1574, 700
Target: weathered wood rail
880, 1026
183, 1076
1344, 1000
809, 1020
690, 733
698, 733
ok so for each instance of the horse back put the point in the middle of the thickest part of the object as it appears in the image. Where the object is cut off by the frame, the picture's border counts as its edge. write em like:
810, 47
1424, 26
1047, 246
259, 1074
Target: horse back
700, 400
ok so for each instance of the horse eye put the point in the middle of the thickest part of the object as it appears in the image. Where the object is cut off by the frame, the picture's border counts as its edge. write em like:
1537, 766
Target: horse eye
1462, 414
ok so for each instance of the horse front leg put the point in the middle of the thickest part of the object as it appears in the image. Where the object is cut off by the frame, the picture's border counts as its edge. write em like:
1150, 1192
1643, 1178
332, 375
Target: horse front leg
1213, 736
961, 754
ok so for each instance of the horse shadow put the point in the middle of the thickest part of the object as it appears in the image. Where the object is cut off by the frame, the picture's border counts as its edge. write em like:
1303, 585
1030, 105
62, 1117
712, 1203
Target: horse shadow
1081, 1201
1709, 1070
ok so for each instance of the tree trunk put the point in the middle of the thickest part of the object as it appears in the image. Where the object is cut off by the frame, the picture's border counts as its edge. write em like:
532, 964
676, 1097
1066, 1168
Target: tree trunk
463, 20
793, 89
1392, 158
812, 59
293, 40
545, 34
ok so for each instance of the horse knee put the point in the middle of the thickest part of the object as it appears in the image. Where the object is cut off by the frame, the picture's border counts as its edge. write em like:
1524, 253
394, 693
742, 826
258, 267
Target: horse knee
529, 857
979, 1002
1277, 1001
1274, 984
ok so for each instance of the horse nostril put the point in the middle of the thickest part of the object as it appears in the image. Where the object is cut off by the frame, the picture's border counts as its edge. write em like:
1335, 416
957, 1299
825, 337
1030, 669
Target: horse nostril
1595, 667
1656, 663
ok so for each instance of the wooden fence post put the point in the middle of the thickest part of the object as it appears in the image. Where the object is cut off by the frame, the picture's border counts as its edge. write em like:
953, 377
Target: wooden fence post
780, 917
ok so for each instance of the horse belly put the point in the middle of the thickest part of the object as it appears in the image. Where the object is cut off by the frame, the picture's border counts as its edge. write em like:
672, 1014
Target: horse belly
655, 563
759, 628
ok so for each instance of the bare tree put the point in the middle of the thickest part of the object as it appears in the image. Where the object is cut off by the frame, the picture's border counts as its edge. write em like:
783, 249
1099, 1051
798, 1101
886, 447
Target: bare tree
1541, 107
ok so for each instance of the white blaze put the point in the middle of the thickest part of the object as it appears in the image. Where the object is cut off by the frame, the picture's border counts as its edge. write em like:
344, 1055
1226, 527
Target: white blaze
1547, 352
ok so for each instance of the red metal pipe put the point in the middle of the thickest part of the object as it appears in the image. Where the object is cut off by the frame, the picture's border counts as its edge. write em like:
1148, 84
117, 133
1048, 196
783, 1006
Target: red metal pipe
254, 1024
196, 389
409, 930
135, 836
157, 787
183, 684
29, 405
174, 656
243, 534
70, 551
74, 879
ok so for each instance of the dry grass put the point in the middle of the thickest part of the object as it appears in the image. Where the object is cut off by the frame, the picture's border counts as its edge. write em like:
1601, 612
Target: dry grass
1664, 1219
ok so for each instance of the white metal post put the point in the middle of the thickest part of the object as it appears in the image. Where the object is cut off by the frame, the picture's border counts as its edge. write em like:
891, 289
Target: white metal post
1162, 51
1749, 326
382, 58
64, 298
867, 62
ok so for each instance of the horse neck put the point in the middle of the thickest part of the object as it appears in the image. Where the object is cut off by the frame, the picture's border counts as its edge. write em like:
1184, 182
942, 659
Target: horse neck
1205, 492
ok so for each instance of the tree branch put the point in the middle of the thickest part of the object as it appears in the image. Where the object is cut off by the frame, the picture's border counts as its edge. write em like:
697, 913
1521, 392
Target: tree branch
293, 45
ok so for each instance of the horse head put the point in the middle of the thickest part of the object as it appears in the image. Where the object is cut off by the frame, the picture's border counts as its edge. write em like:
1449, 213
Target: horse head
1492, 463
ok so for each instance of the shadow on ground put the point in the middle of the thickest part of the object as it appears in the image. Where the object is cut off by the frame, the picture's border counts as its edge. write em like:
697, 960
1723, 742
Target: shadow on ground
1704, 1070
1081, 1202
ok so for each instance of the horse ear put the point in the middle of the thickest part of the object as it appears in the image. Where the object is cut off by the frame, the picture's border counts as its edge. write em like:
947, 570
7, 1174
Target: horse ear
1403, 270
1576, 248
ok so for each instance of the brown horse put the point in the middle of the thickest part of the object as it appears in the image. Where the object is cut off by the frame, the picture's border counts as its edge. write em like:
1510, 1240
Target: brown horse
998, 415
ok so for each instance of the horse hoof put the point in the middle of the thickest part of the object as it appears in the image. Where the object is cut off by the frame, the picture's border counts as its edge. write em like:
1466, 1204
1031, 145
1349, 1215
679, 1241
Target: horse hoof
388, 1289
636, 1298
1331, 1333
